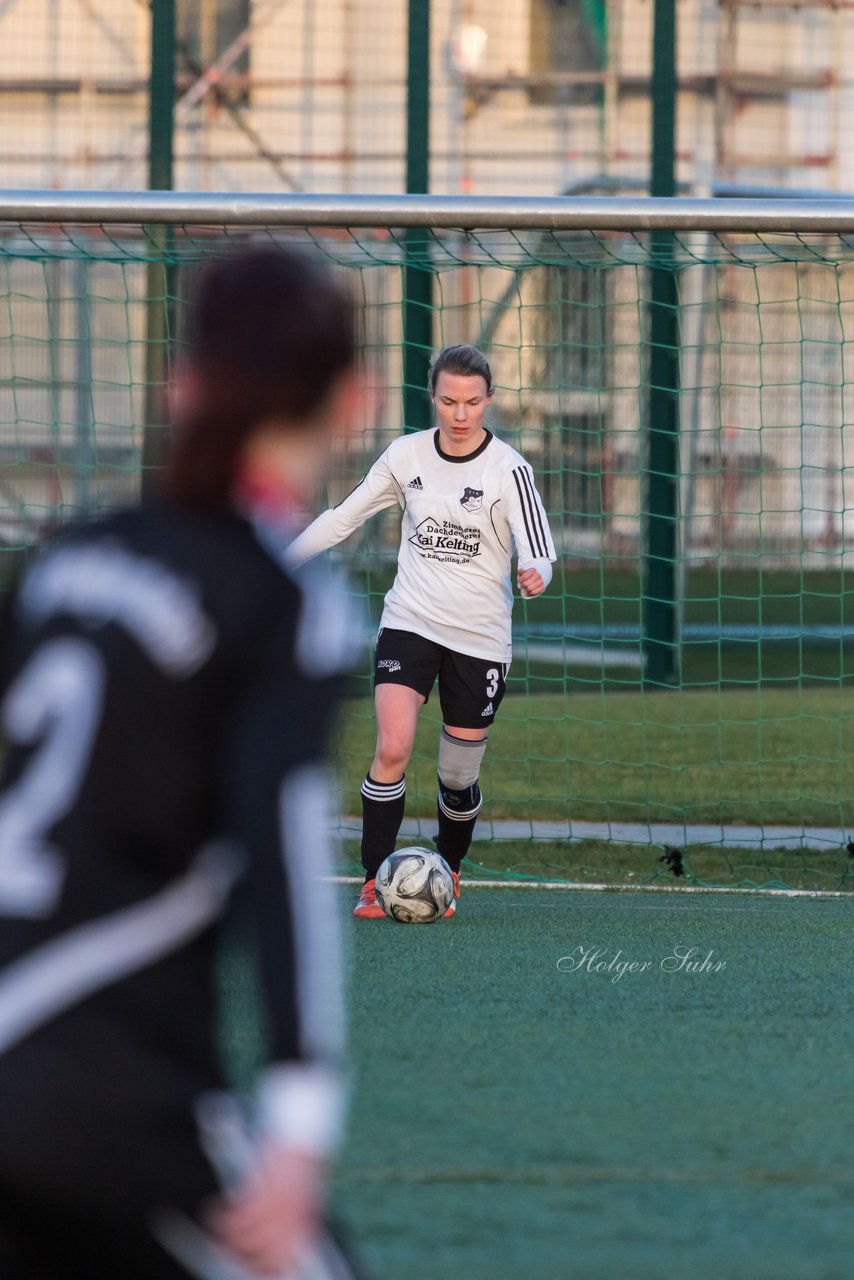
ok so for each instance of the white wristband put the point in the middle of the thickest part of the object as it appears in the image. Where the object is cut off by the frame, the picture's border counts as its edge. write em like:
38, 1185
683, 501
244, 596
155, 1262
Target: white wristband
302, 1107
543, 568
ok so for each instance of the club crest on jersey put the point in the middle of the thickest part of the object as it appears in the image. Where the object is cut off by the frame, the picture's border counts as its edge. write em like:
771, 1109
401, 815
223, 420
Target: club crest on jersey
472, 499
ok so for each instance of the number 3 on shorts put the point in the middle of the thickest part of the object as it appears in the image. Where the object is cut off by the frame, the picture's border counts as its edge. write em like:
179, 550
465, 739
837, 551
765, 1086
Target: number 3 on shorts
492, 678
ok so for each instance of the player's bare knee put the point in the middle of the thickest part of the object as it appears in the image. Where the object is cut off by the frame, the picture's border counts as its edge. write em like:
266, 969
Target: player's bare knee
393, 754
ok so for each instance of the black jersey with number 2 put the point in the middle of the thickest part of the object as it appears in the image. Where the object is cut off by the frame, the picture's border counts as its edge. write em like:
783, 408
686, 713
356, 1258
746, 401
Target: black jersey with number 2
167, 690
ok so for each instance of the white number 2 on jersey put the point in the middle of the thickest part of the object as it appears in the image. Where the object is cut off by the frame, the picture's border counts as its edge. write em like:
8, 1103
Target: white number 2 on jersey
54, 706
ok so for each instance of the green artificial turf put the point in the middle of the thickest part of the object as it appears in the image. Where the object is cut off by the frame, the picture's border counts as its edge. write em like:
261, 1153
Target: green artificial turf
767, 757
514, 1122
629, 865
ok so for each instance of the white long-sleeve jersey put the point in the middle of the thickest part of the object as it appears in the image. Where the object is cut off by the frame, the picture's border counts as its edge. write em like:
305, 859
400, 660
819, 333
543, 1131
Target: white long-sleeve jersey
461, 519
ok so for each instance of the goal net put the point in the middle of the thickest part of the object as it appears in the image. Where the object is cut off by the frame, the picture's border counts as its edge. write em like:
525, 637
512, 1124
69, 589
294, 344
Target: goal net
739, 771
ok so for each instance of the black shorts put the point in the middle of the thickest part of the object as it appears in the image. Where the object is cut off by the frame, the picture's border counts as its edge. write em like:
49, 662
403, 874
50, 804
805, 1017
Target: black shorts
470, 689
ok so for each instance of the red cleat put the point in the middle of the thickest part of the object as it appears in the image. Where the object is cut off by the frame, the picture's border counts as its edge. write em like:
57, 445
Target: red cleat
367, 908
452, 909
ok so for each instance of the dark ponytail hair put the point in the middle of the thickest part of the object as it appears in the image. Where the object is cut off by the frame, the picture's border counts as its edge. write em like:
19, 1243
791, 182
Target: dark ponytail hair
269, 331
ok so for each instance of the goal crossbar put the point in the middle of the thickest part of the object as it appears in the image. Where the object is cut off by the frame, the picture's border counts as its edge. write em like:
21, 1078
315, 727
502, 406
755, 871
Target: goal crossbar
508, 213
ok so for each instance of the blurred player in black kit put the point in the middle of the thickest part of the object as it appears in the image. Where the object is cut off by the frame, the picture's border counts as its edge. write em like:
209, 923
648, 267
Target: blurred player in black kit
167, 690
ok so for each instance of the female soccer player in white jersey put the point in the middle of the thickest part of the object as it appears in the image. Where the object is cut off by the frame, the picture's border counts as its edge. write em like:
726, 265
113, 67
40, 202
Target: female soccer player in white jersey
467, 498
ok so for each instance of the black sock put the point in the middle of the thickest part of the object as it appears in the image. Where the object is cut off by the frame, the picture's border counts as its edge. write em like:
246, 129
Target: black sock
454, 839
382, 813
455, 833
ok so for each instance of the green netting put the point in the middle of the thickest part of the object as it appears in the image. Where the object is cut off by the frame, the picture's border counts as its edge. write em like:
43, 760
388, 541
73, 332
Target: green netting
739, 774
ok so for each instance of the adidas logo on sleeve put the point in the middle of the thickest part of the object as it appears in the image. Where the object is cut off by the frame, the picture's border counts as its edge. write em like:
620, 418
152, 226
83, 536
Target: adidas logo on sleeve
415, 484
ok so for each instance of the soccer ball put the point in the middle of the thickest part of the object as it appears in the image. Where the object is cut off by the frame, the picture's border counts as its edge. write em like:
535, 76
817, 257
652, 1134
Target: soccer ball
415, 886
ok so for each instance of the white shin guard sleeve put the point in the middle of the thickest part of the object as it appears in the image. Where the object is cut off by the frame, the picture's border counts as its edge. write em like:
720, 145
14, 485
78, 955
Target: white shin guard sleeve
459, 761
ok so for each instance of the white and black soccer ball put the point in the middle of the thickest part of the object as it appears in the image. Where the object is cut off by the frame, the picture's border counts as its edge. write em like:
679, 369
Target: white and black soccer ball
415, 886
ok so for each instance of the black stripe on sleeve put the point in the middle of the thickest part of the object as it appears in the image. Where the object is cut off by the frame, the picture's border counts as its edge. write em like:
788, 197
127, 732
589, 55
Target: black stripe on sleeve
535, 503
523, 502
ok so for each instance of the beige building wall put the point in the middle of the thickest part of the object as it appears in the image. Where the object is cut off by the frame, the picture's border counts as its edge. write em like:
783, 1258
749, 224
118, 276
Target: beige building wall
765, 97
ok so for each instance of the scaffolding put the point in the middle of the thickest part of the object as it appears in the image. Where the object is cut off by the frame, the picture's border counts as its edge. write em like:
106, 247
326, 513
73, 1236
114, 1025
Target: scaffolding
528, 97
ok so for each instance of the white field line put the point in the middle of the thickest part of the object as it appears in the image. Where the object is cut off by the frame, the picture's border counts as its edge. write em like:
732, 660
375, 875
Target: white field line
634, 888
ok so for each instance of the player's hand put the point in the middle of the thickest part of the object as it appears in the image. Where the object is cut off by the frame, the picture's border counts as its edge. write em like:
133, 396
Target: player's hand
530, 582
271, 1219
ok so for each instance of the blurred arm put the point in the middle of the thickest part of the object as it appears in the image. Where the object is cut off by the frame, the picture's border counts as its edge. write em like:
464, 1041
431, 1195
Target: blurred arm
279, 802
